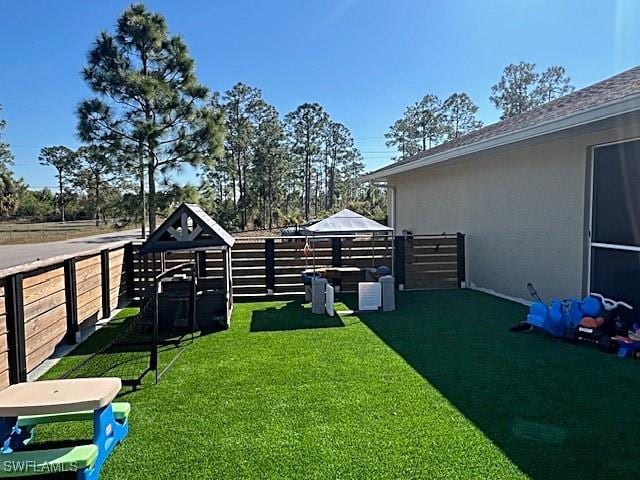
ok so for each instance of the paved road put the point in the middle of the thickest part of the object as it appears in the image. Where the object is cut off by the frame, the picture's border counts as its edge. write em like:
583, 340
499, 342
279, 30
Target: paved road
12, 255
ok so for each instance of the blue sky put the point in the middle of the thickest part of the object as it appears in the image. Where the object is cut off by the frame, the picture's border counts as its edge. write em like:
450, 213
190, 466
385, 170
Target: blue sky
363, 60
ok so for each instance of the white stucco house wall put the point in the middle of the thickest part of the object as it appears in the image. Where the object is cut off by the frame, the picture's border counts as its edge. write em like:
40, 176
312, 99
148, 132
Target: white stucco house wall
550, 196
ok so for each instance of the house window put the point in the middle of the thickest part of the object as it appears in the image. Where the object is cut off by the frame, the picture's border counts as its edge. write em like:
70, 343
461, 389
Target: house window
615, 222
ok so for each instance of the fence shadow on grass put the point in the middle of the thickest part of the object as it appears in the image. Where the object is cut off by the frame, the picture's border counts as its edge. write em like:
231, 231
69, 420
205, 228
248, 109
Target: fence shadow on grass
292, 315
556, 410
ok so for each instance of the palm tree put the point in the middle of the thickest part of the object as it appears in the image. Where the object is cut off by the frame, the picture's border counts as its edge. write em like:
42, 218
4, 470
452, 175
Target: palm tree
8, 194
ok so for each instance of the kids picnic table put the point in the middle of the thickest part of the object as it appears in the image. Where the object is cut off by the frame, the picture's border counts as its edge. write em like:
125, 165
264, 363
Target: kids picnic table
25, 405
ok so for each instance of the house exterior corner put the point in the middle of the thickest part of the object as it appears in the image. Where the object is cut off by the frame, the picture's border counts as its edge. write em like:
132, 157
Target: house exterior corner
525, 209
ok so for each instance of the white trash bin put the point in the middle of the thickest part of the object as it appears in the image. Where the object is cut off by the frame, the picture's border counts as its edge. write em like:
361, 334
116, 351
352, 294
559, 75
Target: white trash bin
318, 287
388, 293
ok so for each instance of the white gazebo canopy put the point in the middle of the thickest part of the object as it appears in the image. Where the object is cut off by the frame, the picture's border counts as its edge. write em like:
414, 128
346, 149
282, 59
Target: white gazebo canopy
345, 222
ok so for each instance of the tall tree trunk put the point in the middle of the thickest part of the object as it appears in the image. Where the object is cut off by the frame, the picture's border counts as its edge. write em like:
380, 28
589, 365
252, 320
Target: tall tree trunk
61, 199
240, 190
143, 203
270, 194
233, 185
326, 180
97, 201
316, 194
332, 182
147, 115
152, 196
307, 184
244, 196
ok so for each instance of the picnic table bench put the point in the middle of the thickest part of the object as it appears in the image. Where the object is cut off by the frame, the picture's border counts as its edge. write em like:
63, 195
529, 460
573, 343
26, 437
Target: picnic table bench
25, 405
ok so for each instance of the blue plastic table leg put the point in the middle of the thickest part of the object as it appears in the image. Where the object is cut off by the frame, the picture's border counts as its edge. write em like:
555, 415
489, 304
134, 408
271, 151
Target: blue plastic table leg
13, 437
107, 434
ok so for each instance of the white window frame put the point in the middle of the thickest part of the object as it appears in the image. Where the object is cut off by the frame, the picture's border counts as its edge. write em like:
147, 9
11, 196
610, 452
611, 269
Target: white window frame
590, 243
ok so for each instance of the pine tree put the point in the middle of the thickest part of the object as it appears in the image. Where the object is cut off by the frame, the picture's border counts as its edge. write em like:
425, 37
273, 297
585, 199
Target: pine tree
63, 159
426, 118
270, 163
521, 88
215, 175
241, 105
148, 100
460, 115
553, 83
305, 127
341, 150
96, 170
402, 136
353, 168
515, 92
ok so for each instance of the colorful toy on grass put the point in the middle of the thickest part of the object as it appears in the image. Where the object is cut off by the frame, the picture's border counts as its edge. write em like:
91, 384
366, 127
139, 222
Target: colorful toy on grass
560, 316
600, 330
25, 406
627, 347
595, 320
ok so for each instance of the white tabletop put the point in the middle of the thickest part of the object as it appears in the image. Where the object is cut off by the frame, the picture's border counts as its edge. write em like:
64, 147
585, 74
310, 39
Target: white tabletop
58, 396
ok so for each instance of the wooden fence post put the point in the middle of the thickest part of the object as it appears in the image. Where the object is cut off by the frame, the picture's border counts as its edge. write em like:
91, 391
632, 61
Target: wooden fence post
270, 265
400, 262
14, 303
106, 287
461, 255
71, 299
336, 252
129, 276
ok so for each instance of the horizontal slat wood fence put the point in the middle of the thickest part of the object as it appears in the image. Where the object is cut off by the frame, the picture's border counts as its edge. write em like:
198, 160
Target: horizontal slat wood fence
431, 262
421, 262
43, 308
45, 316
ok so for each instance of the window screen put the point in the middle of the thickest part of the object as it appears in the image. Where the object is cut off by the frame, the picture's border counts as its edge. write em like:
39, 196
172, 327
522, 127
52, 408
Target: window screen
616, 194
616, 274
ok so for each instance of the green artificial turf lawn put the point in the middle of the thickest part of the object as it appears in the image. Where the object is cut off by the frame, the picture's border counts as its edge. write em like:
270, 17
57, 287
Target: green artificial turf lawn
437, 389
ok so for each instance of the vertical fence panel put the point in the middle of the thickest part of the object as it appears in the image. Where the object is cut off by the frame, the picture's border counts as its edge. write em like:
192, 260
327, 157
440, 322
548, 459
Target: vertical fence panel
201, 263
71, 299
462, 269
89, 285
400, 261
117, 277
15, 329
336, 252
129, 266
4, 355
270, 264
105, 283
45, 313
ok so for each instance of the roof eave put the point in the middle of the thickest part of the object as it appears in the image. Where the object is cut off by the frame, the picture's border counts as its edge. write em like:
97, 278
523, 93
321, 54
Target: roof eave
601, 112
